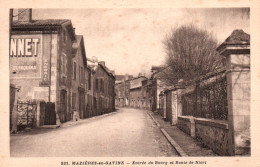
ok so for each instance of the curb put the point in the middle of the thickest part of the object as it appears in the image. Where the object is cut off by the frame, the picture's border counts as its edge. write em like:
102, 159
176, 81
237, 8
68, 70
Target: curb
49, 127
154, 120
175, 145
80, 121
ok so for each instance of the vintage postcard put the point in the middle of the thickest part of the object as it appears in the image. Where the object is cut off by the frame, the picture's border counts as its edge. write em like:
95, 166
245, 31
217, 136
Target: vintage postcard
129, 83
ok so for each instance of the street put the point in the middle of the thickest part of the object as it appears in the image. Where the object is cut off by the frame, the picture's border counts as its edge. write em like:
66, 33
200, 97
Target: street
124, 133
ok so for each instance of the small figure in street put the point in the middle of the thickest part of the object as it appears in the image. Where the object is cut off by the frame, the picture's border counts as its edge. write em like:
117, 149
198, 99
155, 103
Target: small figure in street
75, 115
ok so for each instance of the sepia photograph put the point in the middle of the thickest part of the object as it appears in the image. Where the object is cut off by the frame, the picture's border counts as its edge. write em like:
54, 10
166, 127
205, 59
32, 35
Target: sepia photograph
129, 85
179, 87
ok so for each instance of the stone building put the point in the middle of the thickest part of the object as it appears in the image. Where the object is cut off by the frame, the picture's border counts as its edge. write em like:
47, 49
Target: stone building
138, 97
157, 85
89, 91
127, 92
122, 78
41, 60
122, 88
103, 89
79, 77
120, 94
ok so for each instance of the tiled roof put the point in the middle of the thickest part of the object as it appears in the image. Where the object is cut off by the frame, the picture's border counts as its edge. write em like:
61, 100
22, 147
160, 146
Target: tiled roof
120, 77
47, 22
157, 67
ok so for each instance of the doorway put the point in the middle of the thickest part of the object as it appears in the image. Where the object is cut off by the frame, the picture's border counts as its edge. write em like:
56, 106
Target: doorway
63, 106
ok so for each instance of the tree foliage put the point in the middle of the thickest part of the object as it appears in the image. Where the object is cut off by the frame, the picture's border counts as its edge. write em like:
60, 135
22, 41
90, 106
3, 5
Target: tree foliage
190, 53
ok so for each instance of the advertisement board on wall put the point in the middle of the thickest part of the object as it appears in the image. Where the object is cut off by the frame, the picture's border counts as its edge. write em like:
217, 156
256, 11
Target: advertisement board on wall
25, 56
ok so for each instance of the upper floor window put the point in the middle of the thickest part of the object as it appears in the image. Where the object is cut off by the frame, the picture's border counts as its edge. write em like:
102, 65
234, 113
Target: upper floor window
82, 74
64, 36
74, 70
89, 81
64, 63
96, 83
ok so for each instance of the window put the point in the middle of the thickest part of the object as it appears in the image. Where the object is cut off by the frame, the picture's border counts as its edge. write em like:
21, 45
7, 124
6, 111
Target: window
101, 85
74, 70
64, 63
73, 100
79, 74
64, 36
89, 80
82, 75
61, 64
96, 83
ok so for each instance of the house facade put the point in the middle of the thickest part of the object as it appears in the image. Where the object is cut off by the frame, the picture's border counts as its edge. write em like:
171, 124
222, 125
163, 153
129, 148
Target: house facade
120, 94
41, 60
103, 89
79, 87
157, 86
137, 92
122, 88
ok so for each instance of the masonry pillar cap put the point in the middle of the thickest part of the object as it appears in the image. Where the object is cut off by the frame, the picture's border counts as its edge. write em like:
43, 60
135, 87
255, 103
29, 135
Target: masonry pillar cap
237, 43
180, 84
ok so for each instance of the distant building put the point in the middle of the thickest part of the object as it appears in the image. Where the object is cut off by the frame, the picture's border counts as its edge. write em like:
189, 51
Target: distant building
122, 87
157, 86
138, 92
122, 78
120, 94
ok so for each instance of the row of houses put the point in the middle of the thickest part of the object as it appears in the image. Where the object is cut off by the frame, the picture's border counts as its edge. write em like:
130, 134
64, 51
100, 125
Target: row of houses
48, 63
140, 91
214, 108
135, 92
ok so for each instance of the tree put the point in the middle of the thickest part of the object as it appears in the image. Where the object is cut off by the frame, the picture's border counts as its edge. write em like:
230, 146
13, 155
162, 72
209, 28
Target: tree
190, 53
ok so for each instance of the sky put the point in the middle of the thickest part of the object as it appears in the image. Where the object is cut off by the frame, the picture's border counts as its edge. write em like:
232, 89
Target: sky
129, 40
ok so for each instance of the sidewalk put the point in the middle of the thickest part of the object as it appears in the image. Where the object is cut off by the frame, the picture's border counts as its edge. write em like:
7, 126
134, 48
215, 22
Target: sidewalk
183, 143
48, 128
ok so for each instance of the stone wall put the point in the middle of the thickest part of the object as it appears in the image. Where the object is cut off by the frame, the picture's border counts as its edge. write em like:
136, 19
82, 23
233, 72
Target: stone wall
184, 124
213, 134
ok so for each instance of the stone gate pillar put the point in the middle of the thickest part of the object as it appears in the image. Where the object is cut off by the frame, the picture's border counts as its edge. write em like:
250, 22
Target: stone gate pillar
174, 107
164, 105
236, 49
176, 102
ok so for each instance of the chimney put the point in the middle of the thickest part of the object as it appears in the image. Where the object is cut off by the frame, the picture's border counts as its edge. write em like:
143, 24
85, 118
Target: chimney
126, 77
102, 63
94, 58
25, 15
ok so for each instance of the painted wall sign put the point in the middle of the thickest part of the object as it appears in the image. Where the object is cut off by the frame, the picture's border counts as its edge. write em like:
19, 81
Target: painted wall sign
46, 73
26, 56
24, 47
